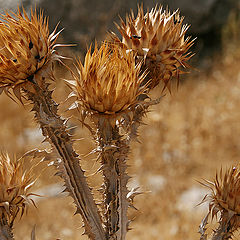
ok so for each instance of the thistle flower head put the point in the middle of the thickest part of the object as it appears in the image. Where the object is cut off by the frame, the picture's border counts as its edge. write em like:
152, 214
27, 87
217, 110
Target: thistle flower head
15, 184
25, 47
158, 37
109, 81
224, 199
226, 191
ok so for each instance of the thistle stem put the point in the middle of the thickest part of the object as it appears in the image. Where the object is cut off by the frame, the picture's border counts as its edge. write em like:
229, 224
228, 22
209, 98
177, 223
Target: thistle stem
225, 228
222, 232
114, 152
5, 230
55, 131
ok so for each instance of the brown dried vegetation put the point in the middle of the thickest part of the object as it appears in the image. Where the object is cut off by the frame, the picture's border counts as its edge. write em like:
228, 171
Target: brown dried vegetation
184, 135
158, 39
103, 85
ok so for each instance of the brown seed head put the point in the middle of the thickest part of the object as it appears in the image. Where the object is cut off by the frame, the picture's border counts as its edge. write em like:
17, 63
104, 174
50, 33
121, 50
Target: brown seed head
15, 183
109, 81
224, 199
225, 193
158, 37
25, 47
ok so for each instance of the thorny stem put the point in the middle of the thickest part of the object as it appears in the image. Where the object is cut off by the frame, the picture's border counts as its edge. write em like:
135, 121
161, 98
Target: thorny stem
5, 230
222, 233
114, 152
225, 228
55, 131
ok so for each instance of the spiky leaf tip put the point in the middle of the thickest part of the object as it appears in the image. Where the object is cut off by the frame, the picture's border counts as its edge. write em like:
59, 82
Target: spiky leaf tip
158, 38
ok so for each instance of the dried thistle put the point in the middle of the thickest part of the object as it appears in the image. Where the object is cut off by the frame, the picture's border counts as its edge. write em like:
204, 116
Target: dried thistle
15, 184
26, 47
225, 199
16, 181
26, 59
107, 88
109, 82
157, 38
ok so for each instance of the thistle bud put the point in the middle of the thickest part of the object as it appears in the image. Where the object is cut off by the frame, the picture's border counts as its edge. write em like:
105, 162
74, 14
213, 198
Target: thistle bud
15, 184
25, 47
158, 38
226, 191
225, 199
109, 81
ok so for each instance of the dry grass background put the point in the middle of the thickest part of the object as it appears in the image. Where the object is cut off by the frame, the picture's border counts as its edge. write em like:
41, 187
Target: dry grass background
187, 137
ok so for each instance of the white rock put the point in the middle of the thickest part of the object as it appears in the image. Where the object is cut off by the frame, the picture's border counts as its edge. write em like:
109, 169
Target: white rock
190, 199
156, 183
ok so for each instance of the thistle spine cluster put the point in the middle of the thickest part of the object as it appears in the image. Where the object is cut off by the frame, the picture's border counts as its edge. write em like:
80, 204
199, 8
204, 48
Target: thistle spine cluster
224, 204
16, 181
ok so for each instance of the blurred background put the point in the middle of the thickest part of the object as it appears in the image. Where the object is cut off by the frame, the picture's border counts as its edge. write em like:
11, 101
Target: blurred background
190, 135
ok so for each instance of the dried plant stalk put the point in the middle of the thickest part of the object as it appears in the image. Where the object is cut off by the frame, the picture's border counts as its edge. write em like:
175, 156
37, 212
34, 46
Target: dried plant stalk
27, 59
224, 230
113, 147
55, 131
113, 152
107, 89
5, 231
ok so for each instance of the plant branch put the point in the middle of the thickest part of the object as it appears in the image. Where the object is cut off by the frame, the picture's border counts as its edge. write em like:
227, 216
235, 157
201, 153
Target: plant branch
113, 153
5, 230
55, 130
227, 225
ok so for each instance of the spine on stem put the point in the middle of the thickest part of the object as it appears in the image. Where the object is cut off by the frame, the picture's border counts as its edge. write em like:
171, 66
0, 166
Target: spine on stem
114, 151
55, 131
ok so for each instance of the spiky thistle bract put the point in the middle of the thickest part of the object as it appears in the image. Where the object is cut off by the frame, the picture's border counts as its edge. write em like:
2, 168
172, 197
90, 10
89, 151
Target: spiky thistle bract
225, 199
25, 48
108, 82
158, 38
15, 184
225, 193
